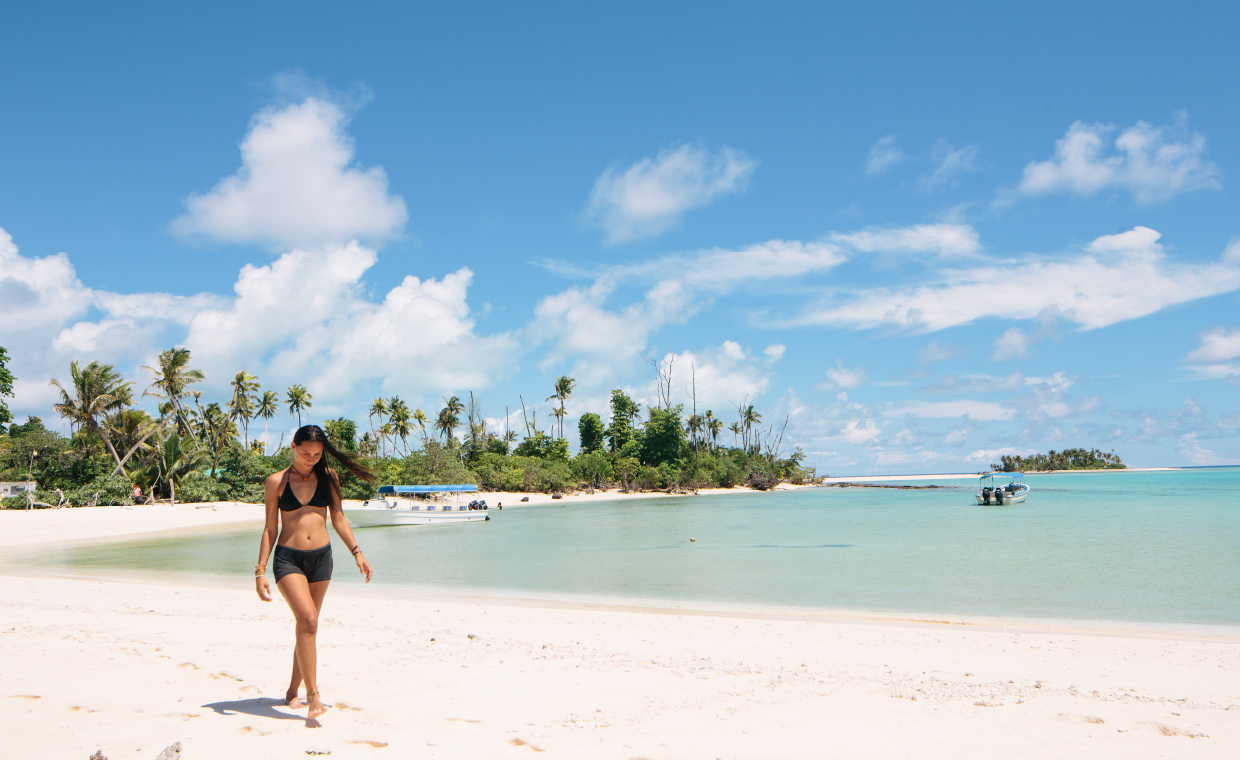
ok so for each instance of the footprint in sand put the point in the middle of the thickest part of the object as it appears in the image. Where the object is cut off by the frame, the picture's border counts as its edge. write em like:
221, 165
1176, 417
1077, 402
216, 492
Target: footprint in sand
376, 745
250, 689
182, 716
343, 706
188, 665
26, 696
1166, 730
514, 741
246, 730
464, 720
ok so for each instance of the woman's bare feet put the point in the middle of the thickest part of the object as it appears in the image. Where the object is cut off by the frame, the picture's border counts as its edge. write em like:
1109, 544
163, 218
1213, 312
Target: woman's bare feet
317, 707
290, 699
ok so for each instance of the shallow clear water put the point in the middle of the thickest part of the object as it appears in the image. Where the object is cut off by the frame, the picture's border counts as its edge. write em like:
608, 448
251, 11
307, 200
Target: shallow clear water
1142, 547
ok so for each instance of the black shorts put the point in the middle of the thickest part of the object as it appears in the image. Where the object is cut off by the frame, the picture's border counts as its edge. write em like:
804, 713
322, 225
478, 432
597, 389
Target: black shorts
315, 564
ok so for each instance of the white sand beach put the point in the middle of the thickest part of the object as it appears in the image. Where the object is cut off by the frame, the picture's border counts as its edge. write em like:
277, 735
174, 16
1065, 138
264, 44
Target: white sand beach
77, 524
129, 667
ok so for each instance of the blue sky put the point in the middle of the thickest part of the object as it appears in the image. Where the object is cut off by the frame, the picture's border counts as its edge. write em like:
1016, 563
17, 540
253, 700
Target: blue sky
923, 234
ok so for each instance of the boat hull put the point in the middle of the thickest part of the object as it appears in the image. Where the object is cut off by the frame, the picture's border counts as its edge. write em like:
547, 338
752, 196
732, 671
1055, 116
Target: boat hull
1016, 498
364, 517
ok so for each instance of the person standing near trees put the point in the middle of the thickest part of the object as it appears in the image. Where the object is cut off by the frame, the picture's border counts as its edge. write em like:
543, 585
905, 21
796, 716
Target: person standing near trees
299, 502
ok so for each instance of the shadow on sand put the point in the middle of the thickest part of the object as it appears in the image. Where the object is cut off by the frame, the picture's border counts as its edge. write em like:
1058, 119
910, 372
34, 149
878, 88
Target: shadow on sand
258, 707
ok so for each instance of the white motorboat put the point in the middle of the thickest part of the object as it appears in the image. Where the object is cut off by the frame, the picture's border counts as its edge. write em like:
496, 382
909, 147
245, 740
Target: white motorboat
418, 505
992, 492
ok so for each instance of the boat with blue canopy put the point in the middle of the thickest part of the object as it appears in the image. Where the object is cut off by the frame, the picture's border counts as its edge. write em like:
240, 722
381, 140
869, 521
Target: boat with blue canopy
991, 491
419, 505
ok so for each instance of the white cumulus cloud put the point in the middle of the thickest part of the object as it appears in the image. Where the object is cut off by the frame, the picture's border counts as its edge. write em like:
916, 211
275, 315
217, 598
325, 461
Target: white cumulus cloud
1217, 345
1152, 163
857, 433
297, 186
304, 318
650, 196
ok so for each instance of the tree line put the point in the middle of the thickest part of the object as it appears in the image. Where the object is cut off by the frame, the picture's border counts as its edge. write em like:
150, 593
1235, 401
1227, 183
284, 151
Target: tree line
1068, 459
196, 450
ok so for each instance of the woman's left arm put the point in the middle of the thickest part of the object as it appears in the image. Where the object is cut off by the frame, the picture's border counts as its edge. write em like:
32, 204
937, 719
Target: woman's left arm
341, 524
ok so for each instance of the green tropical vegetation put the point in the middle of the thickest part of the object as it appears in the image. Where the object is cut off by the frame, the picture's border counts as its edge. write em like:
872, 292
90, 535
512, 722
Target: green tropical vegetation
6, 389
1068, 459
202, 451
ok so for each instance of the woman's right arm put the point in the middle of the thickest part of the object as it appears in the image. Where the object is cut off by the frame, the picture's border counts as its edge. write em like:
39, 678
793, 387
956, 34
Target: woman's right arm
271, 507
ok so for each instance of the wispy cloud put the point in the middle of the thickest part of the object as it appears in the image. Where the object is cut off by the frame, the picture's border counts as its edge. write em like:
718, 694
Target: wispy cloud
1121, 277
946, 240
296, 186
977, 410
989, 456
1152, 163
840, 376
933, 352
949, 163
976, 384
649, 197
883, 155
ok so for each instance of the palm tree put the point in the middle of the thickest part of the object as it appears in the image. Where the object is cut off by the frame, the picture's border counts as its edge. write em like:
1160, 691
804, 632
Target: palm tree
693, 426
267, 408
384, 431
449, 418
750, 419
297, 398
378, 408
244, 385
563, 392
735, 427
399, 421
714, 426
174, 463
98, 389
419, 417
172, 379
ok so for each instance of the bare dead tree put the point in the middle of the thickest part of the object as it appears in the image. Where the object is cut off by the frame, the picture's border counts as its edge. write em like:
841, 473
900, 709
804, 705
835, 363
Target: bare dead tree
775, 446
477, 420
662, 377
525, 417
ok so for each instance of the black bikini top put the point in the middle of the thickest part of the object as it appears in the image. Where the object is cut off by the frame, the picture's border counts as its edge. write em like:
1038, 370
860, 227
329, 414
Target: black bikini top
289, 502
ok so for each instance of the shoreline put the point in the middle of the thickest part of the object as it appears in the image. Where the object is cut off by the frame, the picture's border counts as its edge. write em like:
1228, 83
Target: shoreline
975, 475
73, 525
123, 666
529, 599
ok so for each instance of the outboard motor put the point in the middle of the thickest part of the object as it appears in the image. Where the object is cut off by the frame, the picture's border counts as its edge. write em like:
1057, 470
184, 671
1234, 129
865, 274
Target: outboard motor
985, 495
999, 496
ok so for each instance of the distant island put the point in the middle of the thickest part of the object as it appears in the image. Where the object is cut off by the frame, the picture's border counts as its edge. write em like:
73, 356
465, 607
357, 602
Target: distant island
1068, 459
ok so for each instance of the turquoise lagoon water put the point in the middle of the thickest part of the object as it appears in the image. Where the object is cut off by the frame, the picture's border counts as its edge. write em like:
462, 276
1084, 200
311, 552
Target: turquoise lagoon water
1144, 547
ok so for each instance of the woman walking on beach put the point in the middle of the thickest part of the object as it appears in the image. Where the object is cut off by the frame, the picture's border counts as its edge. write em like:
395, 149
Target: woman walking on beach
299, 501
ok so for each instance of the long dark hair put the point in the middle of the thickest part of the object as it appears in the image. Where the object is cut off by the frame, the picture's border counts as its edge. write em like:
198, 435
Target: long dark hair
315, 434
